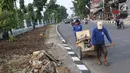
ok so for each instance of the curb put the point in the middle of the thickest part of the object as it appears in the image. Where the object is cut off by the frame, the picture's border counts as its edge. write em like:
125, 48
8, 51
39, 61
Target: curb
113, 22
110, 22
63, 41
72, 54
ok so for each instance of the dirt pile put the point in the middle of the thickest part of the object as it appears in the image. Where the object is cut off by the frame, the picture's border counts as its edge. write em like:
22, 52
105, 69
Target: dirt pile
37, 62
43, 62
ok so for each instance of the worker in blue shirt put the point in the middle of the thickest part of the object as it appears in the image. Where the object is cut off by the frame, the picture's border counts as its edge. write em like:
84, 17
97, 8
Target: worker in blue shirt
77, 27
98, 41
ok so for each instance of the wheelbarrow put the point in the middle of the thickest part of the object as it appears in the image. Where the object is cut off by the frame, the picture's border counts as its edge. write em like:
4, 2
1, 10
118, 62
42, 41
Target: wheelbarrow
83, 44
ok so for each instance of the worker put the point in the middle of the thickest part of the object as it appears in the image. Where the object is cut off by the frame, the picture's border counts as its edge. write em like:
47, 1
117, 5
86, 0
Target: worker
98, 41
77, 27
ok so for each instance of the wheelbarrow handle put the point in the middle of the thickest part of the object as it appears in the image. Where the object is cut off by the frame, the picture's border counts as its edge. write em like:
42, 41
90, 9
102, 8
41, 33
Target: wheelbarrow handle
110, 45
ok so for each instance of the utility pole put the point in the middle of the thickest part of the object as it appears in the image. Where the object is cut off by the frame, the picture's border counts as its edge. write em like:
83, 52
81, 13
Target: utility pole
103, 9
106, 10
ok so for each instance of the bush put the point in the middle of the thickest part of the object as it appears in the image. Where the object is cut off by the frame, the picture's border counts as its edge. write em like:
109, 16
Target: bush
11, 38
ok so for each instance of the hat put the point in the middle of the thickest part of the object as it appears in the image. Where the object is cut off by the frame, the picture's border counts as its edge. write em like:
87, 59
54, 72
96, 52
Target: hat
77, 21
99, 24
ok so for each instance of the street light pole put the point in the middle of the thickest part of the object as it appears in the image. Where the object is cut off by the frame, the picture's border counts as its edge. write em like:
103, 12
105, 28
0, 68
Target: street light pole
103, 10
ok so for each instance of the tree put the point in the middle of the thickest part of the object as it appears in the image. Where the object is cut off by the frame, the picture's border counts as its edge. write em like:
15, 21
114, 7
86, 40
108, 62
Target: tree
7, 20
39, 5
22, 6
75, 8
64, 14
19, 19
80, 7
54, 12
7, 16
31, 14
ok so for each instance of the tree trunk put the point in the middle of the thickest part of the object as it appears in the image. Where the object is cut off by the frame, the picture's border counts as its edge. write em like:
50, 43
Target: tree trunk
34, 23
11, 32
5, 35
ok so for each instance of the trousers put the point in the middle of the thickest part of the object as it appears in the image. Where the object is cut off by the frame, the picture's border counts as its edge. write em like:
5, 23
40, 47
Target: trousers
100, 49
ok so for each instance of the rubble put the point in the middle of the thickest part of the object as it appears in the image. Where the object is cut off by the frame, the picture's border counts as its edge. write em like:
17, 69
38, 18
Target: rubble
43, 62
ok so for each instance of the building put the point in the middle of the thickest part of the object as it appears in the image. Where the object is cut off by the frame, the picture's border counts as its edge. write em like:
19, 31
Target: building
96, 9
128, 4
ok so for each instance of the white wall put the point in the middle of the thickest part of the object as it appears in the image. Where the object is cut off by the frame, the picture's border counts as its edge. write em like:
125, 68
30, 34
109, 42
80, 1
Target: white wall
128, 4
21, 30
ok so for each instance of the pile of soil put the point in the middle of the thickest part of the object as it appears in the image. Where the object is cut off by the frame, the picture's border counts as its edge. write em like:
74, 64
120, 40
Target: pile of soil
15, 55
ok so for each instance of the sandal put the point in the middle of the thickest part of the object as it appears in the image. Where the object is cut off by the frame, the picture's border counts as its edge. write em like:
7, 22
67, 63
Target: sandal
106, 63
99, 63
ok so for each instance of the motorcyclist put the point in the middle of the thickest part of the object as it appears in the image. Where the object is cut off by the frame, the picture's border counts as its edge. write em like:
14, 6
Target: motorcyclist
121, 23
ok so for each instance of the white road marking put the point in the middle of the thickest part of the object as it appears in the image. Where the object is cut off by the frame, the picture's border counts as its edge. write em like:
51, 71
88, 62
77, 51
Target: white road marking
68, 48
63, 40
117, 38
65, 45
75, 58
70, 52
126, 41
82, 67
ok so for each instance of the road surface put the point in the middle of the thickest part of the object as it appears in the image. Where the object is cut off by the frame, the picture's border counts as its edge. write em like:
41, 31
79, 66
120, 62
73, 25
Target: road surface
118, 56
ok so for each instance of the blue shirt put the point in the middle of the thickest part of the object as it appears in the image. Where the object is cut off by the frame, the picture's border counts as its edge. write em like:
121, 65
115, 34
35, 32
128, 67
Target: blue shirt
98, 36
77, 28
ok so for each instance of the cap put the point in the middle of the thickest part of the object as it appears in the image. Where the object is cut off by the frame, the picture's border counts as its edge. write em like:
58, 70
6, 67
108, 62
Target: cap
77, 21
99, 24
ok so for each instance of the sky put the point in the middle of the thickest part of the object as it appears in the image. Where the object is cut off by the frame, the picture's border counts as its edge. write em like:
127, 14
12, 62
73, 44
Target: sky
66, 3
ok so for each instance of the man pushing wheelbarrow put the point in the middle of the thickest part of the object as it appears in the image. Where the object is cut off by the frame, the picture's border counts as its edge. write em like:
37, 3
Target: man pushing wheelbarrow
77, 27
98, 41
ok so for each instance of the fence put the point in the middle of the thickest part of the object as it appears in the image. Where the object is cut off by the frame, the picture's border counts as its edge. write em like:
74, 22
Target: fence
21, 30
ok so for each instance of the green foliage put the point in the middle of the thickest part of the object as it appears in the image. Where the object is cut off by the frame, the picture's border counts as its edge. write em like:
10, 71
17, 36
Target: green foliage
22, 6
20, 14
38, 15
30, 7
19, 18
80, 7
7, 20
7, 15
39, 5
21, 2
11, 38
64, 14
55, 12
31, 13
7, 4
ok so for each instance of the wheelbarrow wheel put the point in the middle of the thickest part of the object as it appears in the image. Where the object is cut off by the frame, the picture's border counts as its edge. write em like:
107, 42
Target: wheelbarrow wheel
80, 54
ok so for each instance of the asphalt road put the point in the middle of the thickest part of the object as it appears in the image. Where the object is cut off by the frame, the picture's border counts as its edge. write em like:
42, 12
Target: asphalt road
118, 56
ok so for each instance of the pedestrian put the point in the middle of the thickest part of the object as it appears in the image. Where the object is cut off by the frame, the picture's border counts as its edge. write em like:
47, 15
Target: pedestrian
121, 23
98, 41
117, 22
72, 23
77, 27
